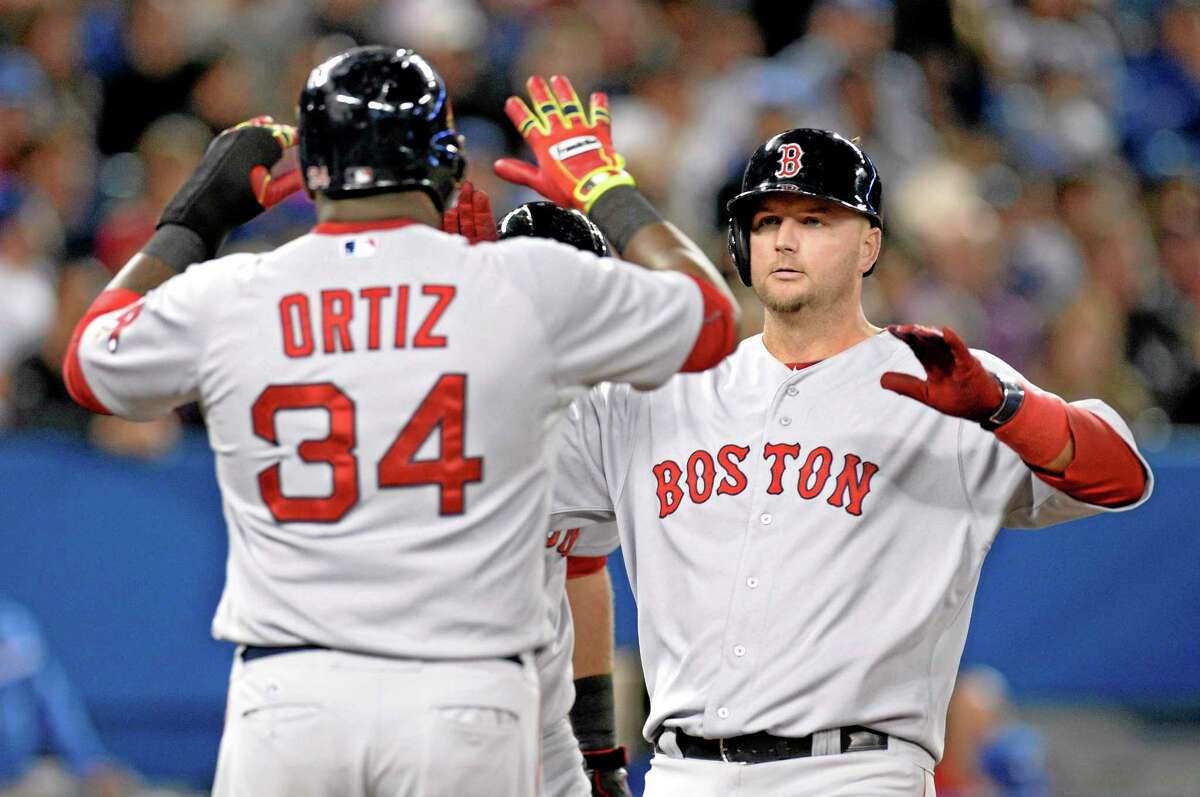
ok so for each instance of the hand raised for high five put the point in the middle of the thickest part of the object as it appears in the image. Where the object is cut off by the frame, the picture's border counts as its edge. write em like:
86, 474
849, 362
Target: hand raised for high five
956, 382
472, 217
573, 146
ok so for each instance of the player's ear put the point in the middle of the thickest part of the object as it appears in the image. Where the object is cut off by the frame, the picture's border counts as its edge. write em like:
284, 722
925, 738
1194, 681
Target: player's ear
868, 248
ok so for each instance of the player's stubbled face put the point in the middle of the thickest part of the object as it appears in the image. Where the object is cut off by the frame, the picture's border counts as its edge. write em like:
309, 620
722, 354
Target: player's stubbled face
804, 252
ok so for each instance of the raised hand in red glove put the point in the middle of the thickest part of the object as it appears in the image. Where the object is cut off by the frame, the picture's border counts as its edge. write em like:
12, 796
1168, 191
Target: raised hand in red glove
956, 384
472, 217
575, 158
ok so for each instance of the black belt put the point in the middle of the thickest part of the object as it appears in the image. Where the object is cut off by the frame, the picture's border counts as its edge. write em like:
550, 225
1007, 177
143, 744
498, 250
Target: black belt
761, 747
252, 652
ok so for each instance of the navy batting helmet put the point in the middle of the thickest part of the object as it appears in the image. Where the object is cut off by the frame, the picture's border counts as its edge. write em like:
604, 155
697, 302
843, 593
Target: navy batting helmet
808, 162
548, 220
377, 119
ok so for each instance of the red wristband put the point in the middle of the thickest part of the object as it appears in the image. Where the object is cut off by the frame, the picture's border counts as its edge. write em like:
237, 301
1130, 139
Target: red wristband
1039, 431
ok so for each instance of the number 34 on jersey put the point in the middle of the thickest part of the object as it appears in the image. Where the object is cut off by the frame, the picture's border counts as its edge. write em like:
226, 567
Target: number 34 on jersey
441, 411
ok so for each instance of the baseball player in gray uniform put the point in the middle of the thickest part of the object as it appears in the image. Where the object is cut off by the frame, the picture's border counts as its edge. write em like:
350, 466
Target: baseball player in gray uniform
580, 756
804, 525
383, 401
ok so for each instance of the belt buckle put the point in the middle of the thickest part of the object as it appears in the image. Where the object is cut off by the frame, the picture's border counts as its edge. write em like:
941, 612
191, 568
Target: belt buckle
721, 750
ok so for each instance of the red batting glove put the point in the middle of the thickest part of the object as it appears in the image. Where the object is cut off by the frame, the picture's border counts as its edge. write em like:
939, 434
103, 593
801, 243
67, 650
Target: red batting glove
956, 384
472, 217
575, 158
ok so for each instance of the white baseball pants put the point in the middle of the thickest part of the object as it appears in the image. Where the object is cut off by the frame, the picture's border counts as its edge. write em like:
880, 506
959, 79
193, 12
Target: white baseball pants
321, 722
562, 763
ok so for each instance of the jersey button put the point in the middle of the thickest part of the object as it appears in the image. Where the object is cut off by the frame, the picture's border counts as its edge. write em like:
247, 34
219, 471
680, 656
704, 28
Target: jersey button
785, 421
739, 650
793, 391
752, 582
765, 518
723, 713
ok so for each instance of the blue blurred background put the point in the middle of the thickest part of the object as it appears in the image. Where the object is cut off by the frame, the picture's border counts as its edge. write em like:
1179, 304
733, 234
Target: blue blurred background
1041, 165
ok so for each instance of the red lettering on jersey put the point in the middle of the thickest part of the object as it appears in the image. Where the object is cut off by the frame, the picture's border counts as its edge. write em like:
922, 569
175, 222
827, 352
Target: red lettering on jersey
779, 452
851, 483
789, 160
698, 477
569, 539
336, 321
809, 487
123, 320
401, 339
670, 493
374, 297
730, 457
425, 339
444, 410
294, 316
335, 449
701, 476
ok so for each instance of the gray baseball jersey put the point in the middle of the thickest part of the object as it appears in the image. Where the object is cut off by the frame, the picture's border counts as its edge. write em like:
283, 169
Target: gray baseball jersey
383, 403
804, 545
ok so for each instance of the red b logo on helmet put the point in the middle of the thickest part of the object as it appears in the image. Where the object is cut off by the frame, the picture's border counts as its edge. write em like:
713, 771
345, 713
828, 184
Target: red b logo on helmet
789, 160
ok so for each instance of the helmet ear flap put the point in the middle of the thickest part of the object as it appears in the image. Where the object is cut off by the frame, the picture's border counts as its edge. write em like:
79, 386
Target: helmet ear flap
739, 249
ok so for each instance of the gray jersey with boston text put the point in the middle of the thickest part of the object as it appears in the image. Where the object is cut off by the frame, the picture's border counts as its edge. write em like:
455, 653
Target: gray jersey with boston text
384, 406
804, 545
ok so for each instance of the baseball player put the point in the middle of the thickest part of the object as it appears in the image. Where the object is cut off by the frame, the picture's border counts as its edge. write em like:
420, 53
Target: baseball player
577, 706
381, 399
804, 525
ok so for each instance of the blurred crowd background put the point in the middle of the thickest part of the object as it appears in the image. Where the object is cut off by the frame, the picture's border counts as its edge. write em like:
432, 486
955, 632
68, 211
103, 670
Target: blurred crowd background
1040, 158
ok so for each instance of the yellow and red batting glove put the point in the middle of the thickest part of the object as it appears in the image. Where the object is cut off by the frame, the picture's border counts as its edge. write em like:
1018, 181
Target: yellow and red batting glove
576, 163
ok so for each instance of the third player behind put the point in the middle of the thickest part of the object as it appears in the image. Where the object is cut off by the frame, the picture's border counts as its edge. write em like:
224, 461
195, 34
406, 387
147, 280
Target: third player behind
580, 756
804, 525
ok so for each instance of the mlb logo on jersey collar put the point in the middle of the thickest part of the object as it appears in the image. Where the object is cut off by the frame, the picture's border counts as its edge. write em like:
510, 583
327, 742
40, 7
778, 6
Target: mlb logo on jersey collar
358, 247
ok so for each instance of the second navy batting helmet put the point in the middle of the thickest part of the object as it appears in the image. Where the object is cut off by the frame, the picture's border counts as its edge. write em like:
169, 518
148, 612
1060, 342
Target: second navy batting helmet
377, 119
548, 220
808, 162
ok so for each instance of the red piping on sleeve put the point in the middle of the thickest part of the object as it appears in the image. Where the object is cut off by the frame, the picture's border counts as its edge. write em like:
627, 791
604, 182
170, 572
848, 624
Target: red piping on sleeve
718, 332
579, 566
1104, 471
73, 376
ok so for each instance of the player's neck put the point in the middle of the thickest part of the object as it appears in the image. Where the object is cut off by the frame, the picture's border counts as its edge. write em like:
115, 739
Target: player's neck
807, 336
415, 205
